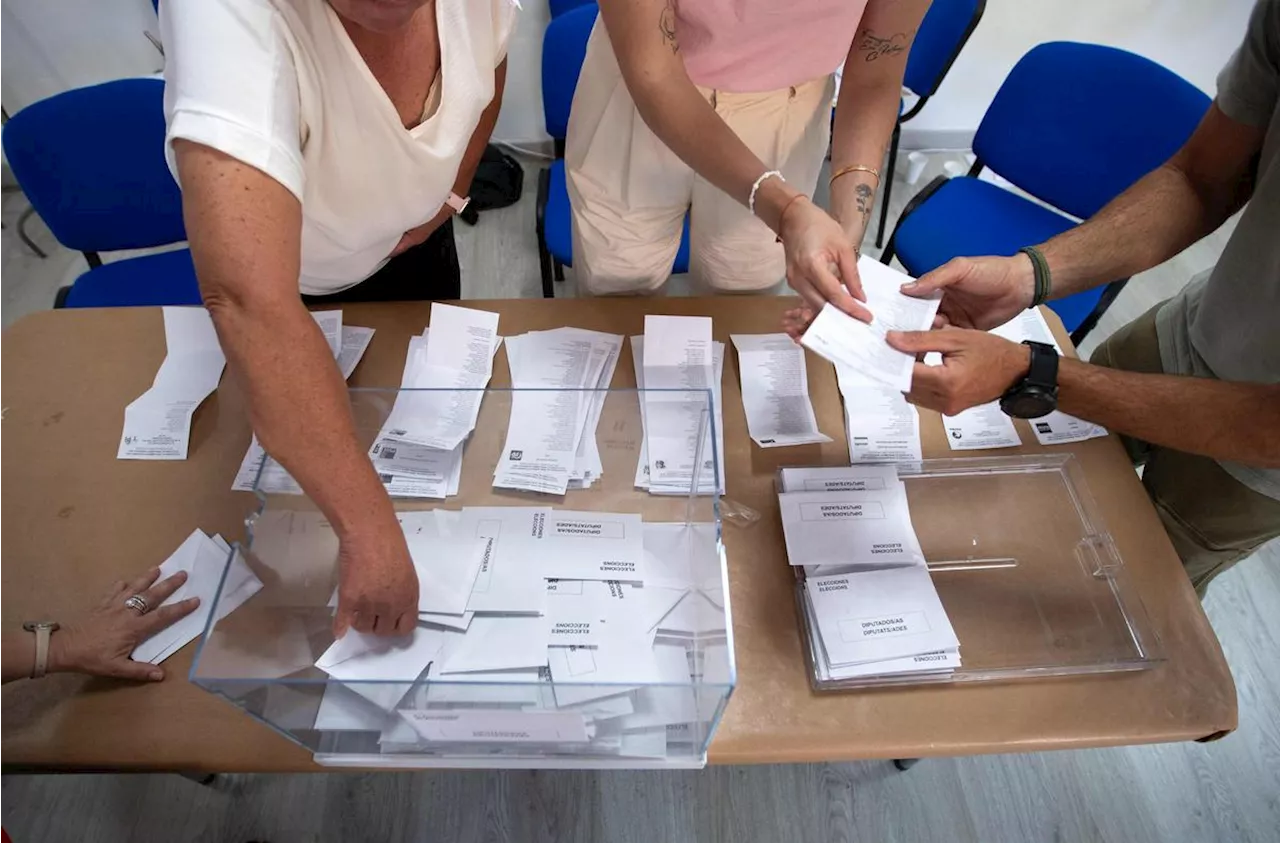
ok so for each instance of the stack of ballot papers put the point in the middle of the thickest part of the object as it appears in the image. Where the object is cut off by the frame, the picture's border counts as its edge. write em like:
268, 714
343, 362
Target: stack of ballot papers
870, 605
203, 558
559, 380
775, 391
348, 344
418, 452
676, 363
157, 424
986, 425
529, 612
861, 347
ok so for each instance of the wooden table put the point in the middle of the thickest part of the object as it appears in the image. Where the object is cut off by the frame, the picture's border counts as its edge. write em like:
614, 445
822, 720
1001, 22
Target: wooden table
75, 518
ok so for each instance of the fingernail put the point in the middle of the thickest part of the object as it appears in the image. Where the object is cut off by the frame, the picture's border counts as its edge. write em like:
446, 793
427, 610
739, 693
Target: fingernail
910, 285
156, 675
193, 601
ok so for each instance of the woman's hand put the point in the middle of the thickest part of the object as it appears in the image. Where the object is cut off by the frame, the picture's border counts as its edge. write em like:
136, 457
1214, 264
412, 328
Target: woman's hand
377, 584
100, 643
821, 263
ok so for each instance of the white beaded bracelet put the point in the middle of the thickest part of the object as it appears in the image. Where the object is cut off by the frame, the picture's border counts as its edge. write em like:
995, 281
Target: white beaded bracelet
751, 200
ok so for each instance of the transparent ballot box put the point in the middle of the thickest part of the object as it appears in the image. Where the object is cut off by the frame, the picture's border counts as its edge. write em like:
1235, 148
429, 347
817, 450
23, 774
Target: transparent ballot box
493, 675
1027, 574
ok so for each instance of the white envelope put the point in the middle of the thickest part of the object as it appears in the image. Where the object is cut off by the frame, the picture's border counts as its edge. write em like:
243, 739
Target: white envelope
877, 615
592, 546
848, 528
499, 643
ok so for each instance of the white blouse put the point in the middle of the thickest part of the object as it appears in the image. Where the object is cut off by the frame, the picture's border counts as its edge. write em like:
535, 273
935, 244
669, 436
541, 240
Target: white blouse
279, 85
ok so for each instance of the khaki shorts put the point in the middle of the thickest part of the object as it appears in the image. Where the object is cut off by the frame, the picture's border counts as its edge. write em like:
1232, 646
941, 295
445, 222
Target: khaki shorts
630, 193
1213, 519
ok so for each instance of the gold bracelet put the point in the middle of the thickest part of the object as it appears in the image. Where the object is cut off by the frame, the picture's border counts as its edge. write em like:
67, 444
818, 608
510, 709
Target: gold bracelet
855, 168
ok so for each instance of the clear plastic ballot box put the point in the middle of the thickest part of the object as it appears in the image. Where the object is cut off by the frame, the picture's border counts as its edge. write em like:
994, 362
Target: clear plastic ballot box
1029, 577
648, 693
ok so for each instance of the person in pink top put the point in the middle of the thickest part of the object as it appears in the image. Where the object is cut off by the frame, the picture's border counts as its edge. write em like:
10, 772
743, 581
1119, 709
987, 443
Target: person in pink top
722, 109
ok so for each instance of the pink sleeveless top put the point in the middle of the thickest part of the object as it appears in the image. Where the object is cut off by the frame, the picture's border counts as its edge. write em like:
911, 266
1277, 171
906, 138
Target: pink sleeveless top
747, 46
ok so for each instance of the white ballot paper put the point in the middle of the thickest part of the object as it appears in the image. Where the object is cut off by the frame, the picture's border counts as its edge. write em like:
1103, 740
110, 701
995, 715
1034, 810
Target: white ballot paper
581, 674
454, 372
848, 528
203, 558
589, 613
846, 341
382, 670
840, 478
676, 481
510, 580
1057, 427
447, 555
352, 342
775, 391
983, 426
881, 426
499, 643
552, 373
157, 425
592, 546
876, 615
330, 322
499, 726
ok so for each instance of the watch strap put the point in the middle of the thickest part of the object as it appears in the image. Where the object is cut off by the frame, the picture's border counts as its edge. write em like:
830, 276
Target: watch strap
457, 203
1044, 365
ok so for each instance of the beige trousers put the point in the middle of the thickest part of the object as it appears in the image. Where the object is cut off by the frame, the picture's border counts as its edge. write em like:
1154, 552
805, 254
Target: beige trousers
630, 193
1212, 519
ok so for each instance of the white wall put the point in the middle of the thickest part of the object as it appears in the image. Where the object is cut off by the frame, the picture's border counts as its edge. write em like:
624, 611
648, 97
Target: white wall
520, 120
1191, 37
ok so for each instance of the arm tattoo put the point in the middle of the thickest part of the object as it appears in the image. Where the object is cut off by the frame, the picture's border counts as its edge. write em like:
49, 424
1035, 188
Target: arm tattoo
872, 46
667, 25
865, 198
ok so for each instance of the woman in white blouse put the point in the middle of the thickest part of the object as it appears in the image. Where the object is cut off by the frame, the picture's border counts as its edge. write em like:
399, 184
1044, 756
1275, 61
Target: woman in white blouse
322, 147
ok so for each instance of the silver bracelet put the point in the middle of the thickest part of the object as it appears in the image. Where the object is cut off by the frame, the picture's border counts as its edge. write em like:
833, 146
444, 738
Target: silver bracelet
751, 200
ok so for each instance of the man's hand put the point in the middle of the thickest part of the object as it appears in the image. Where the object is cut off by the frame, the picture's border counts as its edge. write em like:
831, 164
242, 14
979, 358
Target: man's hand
977, 367
979, 293
817, 249
377, 584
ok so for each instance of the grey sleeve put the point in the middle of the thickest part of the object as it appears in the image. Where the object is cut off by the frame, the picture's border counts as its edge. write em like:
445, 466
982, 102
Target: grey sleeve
1250, 83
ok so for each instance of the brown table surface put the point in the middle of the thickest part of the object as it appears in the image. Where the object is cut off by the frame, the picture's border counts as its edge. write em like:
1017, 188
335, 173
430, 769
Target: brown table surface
75, 518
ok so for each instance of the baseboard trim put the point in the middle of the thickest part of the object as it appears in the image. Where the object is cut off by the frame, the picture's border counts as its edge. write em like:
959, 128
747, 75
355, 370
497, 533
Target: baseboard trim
913, 138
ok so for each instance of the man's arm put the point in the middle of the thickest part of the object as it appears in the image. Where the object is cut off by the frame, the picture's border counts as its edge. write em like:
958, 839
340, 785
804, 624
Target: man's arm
1218, 419
644, 38
245, 231
867, 107
1165, 211
1178, 203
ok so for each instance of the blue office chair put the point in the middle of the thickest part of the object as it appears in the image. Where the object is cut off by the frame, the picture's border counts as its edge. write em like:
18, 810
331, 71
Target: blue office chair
91, 162
564, 46
942, 35
559, 7
1073, 125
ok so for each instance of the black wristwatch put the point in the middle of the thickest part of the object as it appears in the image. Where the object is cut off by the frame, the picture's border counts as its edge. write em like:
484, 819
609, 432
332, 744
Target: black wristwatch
1035, 395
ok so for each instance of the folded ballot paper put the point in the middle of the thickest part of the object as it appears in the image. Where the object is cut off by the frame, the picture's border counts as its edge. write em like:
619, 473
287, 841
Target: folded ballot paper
348, 344
203, 558
562, 638
676, 364
870, 605
157, 424
559, 378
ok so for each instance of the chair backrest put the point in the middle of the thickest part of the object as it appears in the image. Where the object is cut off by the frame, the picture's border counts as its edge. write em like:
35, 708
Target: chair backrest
91, 162
564, 46
942, 35
1075, 124
559, 7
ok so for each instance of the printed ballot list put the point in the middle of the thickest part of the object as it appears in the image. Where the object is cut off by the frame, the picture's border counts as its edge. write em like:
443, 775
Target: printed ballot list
775, 391
870, 604
579, 627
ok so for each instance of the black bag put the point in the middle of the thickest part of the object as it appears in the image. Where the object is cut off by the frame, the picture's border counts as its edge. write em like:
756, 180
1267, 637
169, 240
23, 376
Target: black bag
498, 181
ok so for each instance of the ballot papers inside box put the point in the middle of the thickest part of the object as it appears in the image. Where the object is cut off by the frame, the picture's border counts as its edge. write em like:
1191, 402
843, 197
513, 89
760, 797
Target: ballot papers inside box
584, 629
1010, 574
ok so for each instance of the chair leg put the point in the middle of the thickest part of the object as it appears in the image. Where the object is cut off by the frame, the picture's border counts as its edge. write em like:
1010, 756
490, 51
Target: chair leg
93, 259
22, 232
1091, 321
888, 183
558, 269
544, 265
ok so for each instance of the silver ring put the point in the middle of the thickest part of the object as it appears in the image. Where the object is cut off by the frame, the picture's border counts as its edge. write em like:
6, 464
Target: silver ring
138, 603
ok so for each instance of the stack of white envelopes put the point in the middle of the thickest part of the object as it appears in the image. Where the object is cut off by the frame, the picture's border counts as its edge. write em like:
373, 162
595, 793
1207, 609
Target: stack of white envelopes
870, 605
560, 380
678, 369
588, 630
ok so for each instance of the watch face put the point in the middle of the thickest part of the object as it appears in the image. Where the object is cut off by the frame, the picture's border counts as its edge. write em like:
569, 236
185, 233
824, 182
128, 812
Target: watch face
1029, 403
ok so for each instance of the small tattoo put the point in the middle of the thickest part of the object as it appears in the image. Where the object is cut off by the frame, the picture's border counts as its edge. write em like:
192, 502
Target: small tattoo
874, 46
865, 197
667, 25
